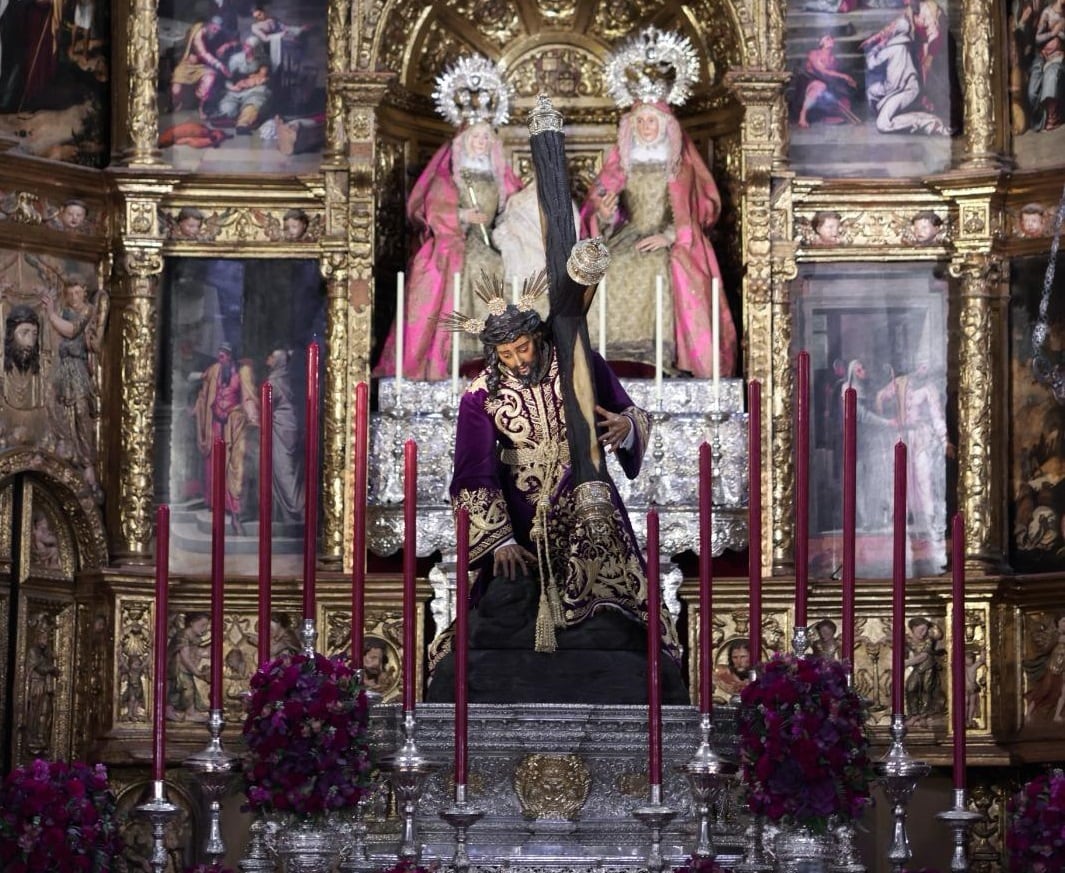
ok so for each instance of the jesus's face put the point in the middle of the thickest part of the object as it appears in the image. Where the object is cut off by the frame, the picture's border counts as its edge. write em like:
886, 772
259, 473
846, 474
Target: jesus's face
519, 357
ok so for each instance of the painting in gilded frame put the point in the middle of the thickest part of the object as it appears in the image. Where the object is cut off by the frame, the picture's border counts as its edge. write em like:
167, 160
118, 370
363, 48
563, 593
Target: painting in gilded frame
231, 324
242, 85
882, 331
874, 90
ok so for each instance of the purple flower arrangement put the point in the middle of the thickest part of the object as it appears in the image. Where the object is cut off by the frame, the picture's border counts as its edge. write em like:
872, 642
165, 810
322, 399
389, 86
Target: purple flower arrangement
305, 729
1036, 836
58, 816
803, 745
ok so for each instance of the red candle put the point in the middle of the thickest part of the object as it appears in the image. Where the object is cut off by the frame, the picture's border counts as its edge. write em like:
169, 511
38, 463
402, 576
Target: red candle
410, 565
850, 505
358, 533
310, 478
706, 577
802, 488
654, 647
218, 556
162, 581
462, 601
266, 511
957, 646
898, 582
754, 514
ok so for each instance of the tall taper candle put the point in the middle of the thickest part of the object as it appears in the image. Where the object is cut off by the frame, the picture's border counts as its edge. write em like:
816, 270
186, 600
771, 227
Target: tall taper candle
802, 487
850, 505
358, 533
162, 581
410, 566
898, 583
706, 577
218, 558
462, 603
654, 647
456, 300
715, 329
957, 648
266, 511
401, 329
310, 481
515, 290
602, 318
754, 514
659, 363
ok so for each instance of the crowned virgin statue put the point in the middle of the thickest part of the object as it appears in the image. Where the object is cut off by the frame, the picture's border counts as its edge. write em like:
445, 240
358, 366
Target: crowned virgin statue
652, 203
452, 209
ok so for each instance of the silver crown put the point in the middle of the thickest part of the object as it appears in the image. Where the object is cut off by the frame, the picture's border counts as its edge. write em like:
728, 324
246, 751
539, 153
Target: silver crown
472, 91
544, 116
588, 261
654, 66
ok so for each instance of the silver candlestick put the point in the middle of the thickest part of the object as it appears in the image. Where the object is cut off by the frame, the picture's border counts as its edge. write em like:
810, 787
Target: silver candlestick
213, 768
655, 816
959, 819
898, 774
408, 769
847, 860
257, 857
159, 811
800, 640
708, 774
461, 815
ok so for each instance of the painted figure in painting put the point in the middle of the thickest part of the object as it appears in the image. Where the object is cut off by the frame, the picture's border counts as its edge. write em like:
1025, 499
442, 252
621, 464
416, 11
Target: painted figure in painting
822, 89
278, 36
1046, 674
453, 207
825, 642
247, 89
1046, 78
905, 71
734, 675
915, 403
70, 217
378, 672
287, 444
201, 64
75, 407
874, 440
227, 406
652, 202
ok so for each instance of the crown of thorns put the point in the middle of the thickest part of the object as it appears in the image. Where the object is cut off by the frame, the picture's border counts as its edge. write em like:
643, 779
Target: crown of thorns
491, 290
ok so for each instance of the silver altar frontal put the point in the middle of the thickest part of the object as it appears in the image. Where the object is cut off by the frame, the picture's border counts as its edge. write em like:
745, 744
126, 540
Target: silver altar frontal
557, 783
688, 412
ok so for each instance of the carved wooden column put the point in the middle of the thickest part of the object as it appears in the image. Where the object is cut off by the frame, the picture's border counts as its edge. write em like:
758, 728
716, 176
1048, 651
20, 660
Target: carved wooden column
348, 255
338, 38
141, 103
131, 478
985, 115
767, 318
981, 402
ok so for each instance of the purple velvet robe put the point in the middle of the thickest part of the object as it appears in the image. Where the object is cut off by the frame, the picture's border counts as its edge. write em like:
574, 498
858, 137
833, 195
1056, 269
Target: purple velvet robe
509, 450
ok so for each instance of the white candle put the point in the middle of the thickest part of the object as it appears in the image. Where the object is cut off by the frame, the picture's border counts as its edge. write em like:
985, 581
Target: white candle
456, 340
715, 331
602, 318
400, 330
659, 291
515, 290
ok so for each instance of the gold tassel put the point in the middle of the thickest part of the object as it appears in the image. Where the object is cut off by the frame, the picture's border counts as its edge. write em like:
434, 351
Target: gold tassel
545, 626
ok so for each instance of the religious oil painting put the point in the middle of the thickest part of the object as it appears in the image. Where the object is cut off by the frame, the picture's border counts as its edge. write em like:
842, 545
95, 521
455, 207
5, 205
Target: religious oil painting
54, 314
874, 89
1037, 81
1037, 420
232, 324
55, 68
242, 85
882, 331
